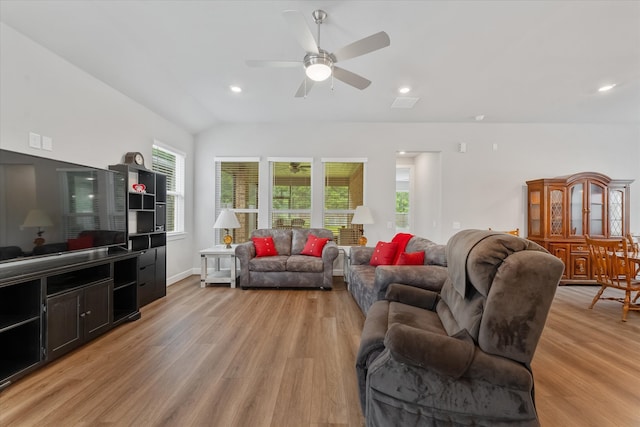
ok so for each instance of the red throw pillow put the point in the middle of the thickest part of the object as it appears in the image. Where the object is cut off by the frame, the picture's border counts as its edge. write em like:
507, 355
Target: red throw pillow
80, 243
384, 253
314, 245
264, 246
401, 239
411, 258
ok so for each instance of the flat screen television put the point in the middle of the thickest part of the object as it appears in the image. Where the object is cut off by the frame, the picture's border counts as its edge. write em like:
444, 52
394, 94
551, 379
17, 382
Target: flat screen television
51, 207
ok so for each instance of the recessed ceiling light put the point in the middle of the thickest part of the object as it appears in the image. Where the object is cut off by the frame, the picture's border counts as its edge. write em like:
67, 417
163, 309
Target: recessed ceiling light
479, 117
607, 87
404, 89
235, 89
403, 152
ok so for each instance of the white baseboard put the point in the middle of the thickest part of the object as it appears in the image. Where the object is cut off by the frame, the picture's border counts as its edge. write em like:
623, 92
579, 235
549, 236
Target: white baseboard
177, 277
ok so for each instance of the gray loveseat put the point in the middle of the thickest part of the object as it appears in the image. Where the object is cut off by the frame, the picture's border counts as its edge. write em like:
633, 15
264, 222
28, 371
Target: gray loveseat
461, 356
369, 283
289, 269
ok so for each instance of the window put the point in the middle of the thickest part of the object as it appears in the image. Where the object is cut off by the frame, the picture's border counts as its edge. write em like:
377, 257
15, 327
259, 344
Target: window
290, 194
171, 163
402, 198
343, 192
237, 189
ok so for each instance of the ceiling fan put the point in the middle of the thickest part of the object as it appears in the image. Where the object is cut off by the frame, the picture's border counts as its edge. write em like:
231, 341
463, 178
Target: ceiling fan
319, 64
295, 167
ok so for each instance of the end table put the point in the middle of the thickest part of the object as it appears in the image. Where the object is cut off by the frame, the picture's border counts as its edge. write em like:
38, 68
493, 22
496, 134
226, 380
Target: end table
218, 275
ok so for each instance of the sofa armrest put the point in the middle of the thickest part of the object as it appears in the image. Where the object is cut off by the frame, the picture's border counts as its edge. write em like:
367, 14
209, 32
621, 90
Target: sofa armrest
360, 255
447, 355
329, 253
411, 295
244, 253
430, 277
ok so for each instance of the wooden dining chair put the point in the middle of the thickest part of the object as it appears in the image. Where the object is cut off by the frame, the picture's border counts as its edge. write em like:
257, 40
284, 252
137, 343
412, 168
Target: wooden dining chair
633, 246
514, 232
614, 268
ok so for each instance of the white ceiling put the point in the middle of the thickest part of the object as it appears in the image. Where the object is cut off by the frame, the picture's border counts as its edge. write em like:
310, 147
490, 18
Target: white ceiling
513, 62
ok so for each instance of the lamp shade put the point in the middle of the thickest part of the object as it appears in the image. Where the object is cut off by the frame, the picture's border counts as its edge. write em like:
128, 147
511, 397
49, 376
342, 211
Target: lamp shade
227, 219
37, 218
362, 215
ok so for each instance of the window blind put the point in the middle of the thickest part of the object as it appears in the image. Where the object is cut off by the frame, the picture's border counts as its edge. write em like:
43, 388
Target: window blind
343, 192
237, 184
171, 164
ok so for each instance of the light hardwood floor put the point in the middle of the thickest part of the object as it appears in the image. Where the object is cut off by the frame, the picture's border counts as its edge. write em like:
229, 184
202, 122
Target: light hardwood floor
228, 357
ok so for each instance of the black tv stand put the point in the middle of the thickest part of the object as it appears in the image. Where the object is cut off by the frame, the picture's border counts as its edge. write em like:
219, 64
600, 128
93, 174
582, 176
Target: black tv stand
49, 307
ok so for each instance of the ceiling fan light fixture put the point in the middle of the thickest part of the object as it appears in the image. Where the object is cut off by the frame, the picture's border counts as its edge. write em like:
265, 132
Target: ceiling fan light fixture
318, 67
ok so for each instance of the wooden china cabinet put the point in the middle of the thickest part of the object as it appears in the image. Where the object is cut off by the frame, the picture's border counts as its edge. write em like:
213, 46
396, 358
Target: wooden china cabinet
562, 210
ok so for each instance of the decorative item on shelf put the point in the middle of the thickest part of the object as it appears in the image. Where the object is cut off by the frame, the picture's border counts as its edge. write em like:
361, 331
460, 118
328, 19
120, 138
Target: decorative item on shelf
362, 216
226, 220
134, 157
139, 188
37, 218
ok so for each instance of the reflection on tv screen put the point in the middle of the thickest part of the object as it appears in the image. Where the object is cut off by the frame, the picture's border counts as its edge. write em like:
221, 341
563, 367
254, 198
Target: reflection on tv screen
49, 207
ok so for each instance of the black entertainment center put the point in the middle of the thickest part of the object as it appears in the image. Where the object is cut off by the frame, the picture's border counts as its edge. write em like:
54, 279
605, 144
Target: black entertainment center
104, 255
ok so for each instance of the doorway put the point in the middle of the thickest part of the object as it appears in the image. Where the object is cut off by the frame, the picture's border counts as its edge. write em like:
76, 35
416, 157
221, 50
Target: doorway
419, 194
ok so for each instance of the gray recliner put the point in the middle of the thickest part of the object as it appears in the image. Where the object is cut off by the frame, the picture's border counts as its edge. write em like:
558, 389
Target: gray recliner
461, 356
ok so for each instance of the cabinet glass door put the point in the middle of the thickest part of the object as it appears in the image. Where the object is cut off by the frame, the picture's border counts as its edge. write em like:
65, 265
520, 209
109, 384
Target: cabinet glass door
556, 198
534, 213
616, 209
576, 208
596, 210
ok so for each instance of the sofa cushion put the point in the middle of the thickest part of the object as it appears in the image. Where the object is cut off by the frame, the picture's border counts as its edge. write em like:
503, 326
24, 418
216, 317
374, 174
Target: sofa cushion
264, 246
305, 263
268, 263
384, 253
281, 238
314, 245
434, 254
300, 235
410, 258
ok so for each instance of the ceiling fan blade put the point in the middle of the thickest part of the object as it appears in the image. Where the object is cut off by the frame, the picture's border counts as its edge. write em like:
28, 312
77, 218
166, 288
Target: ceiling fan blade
273, 64
302, 90
362, 46
350, 78
300, 30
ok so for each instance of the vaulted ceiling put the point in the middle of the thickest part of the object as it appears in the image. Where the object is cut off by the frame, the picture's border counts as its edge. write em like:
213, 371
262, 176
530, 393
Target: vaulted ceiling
511, 62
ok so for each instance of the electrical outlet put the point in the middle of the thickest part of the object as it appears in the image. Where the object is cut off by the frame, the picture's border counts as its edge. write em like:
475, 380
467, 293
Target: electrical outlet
455, 225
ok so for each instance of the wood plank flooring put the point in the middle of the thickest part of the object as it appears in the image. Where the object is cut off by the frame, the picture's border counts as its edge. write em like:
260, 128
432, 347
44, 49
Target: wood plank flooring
228, 357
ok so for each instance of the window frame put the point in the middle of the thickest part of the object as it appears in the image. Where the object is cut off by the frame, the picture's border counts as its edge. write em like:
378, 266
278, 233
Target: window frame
179, 193
325, 211
308, 212
218, 193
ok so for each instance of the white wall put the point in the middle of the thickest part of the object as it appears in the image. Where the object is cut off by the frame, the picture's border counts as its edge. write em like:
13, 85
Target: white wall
479, 189
90, 122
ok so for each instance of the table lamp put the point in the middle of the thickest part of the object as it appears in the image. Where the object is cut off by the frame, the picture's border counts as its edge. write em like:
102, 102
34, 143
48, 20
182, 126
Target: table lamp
362, 216
37, 218
226, 220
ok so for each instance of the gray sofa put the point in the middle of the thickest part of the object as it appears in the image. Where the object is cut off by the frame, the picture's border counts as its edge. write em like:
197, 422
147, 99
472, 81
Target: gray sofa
289, 269
368, 284
461, 356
